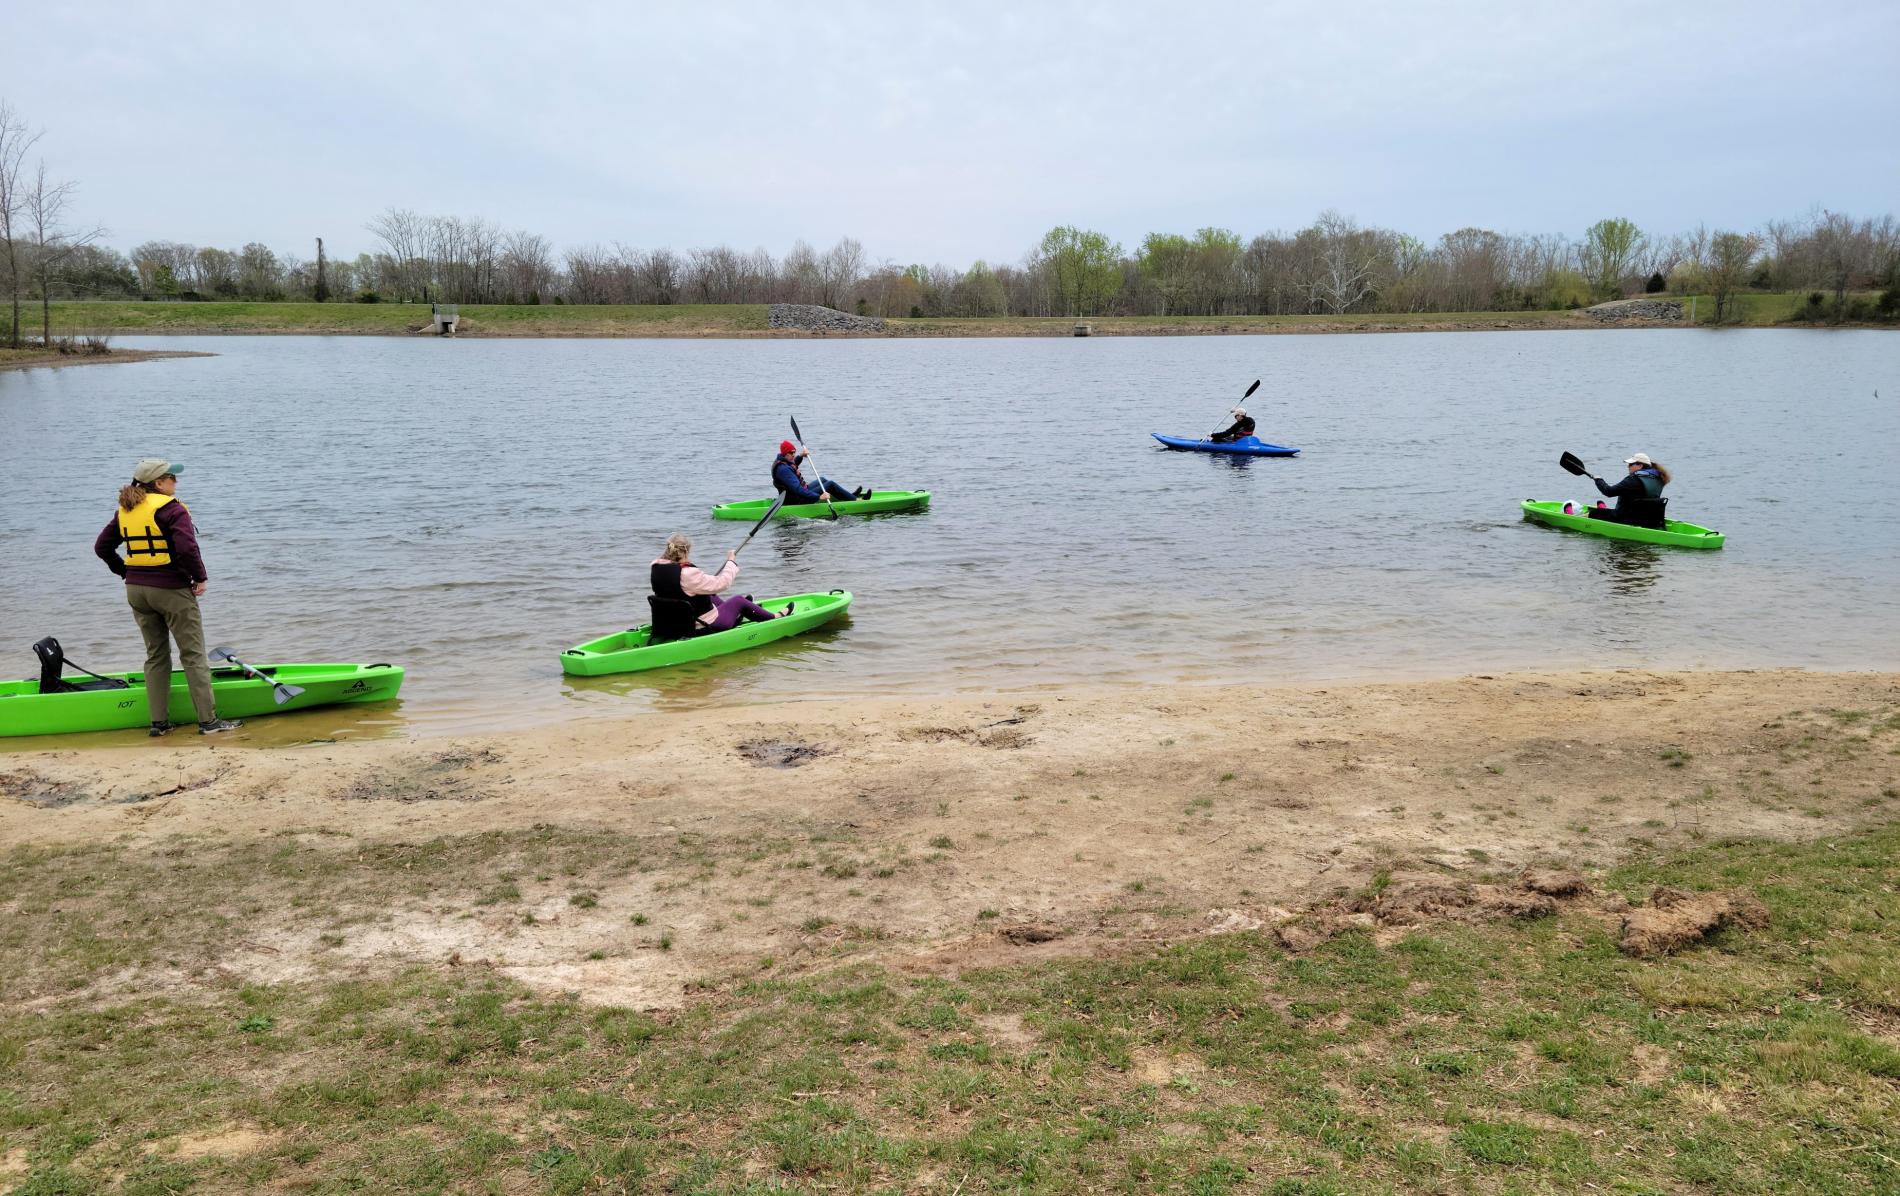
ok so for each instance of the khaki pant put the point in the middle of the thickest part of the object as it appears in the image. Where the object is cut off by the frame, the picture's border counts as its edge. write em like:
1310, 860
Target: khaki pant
166, 615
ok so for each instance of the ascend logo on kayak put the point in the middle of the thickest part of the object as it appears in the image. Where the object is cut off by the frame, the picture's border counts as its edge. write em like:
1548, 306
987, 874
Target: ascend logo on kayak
358, 687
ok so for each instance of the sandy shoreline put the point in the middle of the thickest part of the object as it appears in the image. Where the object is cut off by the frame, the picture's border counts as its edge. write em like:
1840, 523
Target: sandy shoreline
52, 360
943, 832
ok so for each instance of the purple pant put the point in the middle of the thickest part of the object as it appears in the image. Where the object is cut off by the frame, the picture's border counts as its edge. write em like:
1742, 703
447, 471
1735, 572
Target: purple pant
730, 612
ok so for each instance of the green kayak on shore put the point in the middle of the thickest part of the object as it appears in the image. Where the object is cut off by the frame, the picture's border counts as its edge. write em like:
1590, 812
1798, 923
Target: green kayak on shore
880, 502
1674, 532
24, 710
629, 652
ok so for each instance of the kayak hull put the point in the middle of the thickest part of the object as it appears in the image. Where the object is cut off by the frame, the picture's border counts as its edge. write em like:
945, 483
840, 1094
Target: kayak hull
628, 651
24, 710
880, 502
1246, 446
1674, 532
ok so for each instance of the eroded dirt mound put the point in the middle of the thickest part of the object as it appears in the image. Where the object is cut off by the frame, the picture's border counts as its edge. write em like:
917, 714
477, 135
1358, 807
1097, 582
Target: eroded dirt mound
1675, 919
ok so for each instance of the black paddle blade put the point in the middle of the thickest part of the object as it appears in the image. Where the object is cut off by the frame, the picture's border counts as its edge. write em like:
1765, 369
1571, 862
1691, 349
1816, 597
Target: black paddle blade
222, 654
1251, 389
283, 692
796, 434
1573, 464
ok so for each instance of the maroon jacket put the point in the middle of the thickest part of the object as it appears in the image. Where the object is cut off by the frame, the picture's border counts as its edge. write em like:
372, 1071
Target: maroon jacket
187, 567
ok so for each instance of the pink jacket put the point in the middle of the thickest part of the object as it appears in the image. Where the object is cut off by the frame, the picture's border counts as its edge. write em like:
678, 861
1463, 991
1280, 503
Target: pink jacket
695, 580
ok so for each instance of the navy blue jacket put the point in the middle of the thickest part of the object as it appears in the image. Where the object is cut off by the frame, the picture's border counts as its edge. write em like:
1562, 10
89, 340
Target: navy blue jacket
785, 478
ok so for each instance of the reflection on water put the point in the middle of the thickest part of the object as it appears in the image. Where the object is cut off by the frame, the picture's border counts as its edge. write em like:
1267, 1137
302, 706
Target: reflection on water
717, 680
298, 728
1055, 550
1631, 567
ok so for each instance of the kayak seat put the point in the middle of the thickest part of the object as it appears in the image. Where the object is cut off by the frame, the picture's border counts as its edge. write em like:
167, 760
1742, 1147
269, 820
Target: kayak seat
1635, 512
53, 662
673, 619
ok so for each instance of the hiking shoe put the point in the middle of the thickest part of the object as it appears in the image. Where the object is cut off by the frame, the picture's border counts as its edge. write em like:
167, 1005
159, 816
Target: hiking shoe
159, 729
863, 493
219, 724
788, 609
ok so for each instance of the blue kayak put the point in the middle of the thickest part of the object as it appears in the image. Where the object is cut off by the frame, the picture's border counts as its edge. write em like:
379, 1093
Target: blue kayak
1246, 446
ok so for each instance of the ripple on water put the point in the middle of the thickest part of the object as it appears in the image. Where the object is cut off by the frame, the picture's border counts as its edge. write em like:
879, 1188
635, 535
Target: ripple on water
471, 509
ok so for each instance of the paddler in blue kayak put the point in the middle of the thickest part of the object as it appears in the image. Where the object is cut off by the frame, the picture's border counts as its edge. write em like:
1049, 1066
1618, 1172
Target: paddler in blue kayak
787, 480
1638, 494
1241, 429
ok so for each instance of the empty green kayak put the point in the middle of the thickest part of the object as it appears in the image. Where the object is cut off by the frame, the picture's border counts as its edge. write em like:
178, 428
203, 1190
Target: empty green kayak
24, 710
879, 502
628, 651
1674, 532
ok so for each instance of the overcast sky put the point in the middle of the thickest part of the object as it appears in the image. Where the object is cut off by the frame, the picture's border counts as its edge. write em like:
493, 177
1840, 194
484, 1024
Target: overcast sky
955, 134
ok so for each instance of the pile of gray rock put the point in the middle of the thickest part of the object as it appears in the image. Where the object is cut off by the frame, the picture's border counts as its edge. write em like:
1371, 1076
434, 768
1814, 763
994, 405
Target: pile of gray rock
1618, 310
809, 317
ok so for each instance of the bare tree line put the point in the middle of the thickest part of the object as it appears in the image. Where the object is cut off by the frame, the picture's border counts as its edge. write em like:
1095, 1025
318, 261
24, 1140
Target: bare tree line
1333, 266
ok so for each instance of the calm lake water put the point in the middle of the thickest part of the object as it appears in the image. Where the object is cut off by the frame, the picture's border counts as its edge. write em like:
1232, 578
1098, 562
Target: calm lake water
470, 508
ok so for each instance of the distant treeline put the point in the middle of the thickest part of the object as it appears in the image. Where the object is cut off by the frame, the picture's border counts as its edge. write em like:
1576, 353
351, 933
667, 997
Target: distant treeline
1333, 266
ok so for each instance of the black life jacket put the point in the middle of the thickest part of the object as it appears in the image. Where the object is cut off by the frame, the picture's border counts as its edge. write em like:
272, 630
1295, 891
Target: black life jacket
666, 584
1650, 509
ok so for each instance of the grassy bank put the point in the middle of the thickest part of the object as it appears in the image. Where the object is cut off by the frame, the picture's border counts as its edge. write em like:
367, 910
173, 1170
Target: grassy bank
397, 319
1504, 1058
691, 320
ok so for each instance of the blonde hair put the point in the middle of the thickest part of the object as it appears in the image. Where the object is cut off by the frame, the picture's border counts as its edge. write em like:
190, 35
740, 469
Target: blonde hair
678, 547
1662, 472
132, 494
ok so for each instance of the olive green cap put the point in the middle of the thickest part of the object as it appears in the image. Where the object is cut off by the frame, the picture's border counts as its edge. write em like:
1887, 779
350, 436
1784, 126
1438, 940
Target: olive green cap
153, 468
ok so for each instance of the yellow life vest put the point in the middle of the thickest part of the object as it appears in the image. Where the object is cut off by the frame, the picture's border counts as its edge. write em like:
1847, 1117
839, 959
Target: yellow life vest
145, 546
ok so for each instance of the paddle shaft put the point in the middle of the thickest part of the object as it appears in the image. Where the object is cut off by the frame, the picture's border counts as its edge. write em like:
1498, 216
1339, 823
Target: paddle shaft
822, 488
779, 502
280, 690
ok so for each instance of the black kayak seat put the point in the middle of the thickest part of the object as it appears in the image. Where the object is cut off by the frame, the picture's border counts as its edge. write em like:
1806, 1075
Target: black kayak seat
1636, 512
673, 619
53, 662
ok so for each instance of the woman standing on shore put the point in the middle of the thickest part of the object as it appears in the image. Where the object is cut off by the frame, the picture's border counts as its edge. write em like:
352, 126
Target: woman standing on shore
164, 577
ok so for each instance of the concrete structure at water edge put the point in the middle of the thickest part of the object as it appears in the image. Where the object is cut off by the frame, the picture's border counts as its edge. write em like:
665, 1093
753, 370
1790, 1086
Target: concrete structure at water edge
444, 319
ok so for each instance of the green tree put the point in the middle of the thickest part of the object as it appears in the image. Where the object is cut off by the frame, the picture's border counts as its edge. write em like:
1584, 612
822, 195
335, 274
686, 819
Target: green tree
1216, 268
1166, 263
1609, 249
979, 293
1730, 256
1084, 268
321, 290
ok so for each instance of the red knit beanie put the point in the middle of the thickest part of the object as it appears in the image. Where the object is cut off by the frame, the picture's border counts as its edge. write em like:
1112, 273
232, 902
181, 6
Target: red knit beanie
786, 446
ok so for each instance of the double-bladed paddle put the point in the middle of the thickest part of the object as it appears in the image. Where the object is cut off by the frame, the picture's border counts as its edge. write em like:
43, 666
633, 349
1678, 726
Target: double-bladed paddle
1574, 464
1243, 398
279, 690
800, 438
